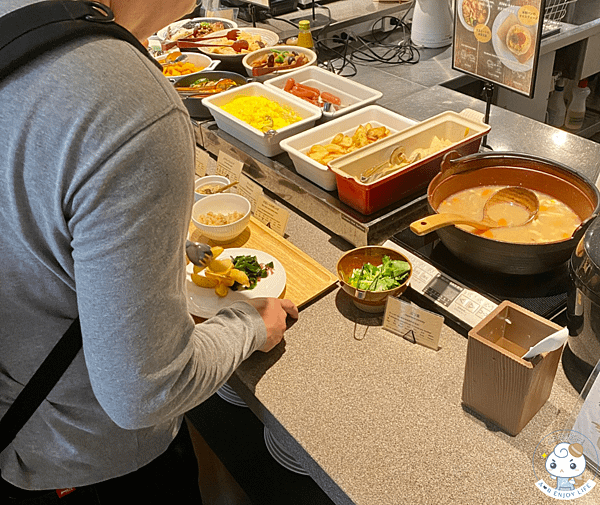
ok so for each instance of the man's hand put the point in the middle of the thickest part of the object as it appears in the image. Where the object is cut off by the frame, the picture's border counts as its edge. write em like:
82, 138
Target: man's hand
274, 313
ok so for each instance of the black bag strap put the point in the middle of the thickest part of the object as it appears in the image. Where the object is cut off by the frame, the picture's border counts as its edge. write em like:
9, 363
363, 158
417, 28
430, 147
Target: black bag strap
24, 35
40, 385
34, 29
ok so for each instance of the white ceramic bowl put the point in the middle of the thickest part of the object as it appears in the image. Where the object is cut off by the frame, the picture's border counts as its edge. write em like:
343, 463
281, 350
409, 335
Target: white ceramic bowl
200, 60
267, 37
217, 180
267, 145
257, 55
223, 203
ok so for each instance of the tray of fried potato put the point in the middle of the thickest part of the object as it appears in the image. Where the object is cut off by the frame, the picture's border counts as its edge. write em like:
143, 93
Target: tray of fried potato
341, 144
312, 150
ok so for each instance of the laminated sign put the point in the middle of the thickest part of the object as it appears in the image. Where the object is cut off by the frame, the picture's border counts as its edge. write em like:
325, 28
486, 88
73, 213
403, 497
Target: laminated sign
499, 41
566, 461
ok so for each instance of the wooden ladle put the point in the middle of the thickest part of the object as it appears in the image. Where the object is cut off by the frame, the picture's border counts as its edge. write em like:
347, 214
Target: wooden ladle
512, 195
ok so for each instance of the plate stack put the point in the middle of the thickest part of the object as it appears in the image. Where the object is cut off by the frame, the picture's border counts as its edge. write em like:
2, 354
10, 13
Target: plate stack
281, 456
227, 393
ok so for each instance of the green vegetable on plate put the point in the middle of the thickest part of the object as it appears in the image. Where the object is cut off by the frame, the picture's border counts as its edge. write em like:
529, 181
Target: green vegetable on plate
253, 269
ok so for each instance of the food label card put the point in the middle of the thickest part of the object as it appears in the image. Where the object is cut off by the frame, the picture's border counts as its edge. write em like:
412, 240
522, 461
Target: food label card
229, 167
249, 189
272, 215
499, 41
413, 323
587, 422
202, 160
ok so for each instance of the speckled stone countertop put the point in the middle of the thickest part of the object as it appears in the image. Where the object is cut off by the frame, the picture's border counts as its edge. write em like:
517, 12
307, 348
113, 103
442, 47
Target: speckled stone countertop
375, 419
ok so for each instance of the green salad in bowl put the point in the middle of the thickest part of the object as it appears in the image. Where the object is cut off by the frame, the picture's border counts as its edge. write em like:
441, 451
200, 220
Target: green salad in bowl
371, 274
389, 275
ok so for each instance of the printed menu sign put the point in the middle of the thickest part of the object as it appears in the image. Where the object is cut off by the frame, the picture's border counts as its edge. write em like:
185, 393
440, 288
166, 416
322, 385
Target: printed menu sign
413, 323
499, 41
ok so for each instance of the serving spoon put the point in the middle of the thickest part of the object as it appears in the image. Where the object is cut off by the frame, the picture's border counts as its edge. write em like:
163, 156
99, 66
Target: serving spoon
548, 344
174, 57
398, 159
222, 188
512, 195
198, 253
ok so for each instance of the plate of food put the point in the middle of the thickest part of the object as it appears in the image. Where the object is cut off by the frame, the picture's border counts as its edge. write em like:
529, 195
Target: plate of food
205, 302
513, 42
473, 13
233, 45
196, 27
279, 60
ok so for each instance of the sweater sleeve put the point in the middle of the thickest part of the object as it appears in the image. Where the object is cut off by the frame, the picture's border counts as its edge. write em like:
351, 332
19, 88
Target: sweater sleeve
129, 217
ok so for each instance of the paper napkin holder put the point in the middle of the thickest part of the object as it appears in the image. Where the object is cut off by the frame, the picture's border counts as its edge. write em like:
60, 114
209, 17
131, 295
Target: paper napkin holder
499, 384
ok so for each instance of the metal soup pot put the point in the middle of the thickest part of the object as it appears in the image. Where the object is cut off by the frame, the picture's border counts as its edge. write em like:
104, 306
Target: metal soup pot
512, 169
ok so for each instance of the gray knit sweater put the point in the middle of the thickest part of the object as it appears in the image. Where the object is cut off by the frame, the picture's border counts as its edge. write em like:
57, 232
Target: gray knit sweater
96, 188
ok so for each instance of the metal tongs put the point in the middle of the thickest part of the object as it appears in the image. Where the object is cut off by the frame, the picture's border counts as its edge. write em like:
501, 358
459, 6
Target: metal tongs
198, 253
398, 159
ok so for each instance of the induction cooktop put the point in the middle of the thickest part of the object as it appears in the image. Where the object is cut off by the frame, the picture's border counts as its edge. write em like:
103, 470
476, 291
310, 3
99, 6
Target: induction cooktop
466, 294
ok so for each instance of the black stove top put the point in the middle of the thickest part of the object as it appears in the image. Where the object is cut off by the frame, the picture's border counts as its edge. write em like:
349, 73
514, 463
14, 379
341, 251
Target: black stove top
544, 294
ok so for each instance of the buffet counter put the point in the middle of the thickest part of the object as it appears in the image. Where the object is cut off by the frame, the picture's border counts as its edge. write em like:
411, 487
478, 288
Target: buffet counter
406, 92
374, 418
370, 416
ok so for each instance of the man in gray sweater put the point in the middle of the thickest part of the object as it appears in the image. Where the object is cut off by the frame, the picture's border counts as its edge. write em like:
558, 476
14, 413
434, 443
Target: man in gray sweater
96, 189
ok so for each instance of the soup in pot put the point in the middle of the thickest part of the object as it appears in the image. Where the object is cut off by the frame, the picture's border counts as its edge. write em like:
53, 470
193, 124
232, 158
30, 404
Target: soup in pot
555, 220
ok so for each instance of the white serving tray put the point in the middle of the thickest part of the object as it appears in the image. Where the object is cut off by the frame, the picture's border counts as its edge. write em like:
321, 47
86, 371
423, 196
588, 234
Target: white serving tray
352, 94
297, 145
459, 127
253, 137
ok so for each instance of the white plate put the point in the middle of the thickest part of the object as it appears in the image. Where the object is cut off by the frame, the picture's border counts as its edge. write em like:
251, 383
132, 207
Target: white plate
464, 22
204, 302
228, 23
249, 58
508, 58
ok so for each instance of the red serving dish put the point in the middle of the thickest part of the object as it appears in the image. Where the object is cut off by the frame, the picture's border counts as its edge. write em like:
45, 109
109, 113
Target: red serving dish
463, 130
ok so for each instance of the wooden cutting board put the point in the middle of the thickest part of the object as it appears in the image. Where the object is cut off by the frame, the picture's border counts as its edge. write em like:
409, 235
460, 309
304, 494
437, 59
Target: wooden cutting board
306, 278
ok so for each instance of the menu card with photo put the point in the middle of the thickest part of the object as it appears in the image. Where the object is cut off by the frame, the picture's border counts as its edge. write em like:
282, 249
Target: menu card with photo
499, 41
587, 418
